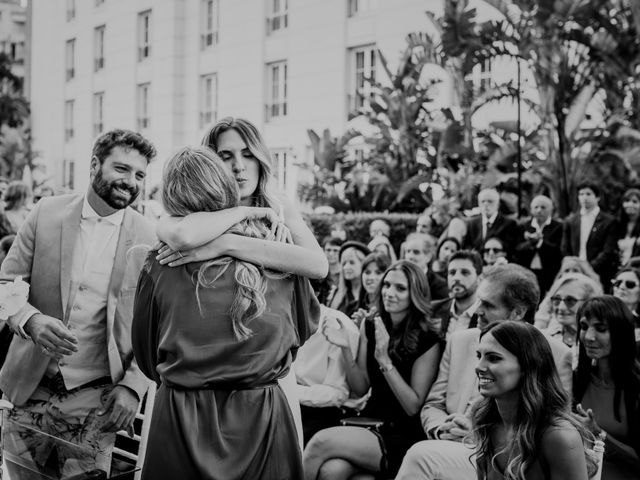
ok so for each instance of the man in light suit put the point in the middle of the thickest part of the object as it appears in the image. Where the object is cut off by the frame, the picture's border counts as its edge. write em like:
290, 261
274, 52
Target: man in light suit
507, 292
70, 369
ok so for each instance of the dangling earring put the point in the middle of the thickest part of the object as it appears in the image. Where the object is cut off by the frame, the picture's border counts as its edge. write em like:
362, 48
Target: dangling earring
594, 362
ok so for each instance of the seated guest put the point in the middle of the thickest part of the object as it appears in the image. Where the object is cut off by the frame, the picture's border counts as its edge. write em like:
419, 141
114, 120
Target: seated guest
626, 287
348, 295
523, 426
628, 227
419, 248
446, 247
490, 223
382, 244
506, 292
607, 383
591, 234
398, 358
379, 228
539, 250
568, 265
373, 266
325, 287
458, 312
424, 224
321, 374
494, 252
566, 296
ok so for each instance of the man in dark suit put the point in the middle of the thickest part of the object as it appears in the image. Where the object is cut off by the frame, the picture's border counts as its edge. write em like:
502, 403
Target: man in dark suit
541, 238
590, 234
490, 223
458, 312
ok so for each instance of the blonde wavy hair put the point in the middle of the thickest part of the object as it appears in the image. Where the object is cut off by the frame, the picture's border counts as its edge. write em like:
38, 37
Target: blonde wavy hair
195, 180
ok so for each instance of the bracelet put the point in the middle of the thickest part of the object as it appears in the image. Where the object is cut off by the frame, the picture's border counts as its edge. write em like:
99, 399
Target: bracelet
384, 369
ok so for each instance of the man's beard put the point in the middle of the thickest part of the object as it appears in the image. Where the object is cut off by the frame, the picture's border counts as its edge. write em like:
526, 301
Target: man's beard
462, 294
106, 191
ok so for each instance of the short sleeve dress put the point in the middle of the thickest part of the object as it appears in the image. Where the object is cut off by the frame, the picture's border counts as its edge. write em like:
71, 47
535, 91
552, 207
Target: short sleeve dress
219, 412
400, 431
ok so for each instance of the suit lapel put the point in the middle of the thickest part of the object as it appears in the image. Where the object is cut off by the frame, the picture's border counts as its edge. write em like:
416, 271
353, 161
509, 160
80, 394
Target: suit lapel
69, 237
125, 242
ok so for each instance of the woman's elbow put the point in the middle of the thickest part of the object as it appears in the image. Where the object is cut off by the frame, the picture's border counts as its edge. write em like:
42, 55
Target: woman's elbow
176, 237
319, 268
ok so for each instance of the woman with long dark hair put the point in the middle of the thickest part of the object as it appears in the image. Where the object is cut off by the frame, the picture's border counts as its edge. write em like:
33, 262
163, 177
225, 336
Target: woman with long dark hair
629, 226
216, 336
523, 427
606, 382
398, 358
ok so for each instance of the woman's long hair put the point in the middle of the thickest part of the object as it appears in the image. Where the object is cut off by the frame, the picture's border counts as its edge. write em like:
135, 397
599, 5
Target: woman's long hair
344, 286
542, 403
625, 368
194, 180
263, 196
623, 218
404, 340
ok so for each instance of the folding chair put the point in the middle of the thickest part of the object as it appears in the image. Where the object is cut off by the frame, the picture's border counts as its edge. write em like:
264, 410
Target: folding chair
134, 449
598, 451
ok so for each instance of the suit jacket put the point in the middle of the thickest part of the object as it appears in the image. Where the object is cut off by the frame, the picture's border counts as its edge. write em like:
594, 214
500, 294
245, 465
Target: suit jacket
503, 228
456, 387
442, 313
42, 254
549, 251
601, 245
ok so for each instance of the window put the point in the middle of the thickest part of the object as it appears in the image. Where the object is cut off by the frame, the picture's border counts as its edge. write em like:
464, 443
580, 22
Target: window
71, 9
98, 103
98, 46
276, 90
144, 35
17, 52
209, 34
364, 67
277, 16
143, 106
208, 99
68, 173
70, 59
281, 162
358, 6
68, 120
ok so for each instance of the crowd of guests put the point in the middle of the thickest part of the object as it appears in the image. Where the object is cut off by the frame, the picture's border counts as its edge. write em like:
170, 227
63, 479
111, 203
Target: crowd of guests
508, 361
482, 348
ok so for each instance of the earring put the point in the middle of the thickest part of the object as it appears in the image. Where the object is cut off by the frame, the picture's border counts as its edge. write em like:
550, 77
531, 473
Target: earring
594, 362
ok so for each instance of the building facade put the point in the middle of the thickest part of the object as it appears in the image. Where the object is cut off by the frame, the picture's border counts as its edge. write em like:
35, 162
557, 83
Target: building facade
171, 68
13, 34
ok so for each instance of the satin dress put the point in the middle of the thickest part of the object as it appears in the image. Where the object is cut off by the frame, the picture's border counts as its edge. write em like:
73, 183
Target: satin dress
219, 412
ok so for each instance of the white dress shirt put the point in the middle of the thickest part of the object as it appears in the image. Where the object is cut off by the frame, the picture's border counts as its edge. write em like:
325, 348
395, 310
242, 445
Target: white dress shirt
587, 219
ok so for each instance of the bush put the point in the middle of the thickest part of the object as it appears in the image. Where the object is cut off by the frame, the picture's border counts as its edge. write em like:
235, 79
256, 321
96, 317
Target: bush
356, 224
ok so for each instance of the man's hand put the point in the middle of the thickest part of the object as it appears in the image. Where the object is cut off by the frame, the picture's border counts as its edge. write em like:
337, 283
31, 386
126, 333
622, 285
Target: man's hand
455, 427
51, 335
121, 405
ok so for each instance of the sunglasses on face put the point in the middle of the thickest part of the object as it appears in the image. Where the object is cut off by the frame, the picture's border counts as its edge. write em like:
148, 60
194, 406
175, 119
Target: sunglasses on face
569, 301
493, 250
629, 284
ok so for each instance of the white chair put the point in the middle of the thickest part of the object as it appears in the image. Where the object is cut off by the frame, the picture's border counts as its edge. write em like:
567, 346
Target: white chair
134, 449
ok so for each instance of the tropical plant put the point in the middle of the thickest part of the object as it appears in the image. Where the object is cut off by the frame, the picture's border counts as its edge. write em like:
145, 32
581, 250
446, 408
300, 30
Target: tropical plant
14, 108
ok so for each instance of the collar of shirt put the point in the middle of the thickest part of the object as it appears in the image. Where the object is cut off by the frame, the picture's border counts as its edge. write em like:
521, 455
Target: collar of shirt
593, 213
88, 212
534, 223
469, 312
490, 220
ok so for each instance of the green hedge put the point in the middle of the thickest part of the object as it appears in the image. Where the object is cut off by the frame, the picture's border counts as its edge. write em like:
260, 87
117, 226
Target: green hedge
356, 224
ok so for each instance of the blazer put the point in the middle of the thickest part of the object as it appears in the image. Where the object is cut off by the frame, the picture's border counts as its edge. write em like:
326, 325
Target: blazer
442, 313
601, 245
456, 387
42, 254
549, 251
506, 229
